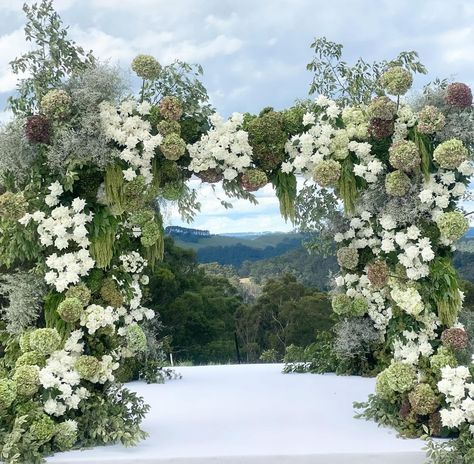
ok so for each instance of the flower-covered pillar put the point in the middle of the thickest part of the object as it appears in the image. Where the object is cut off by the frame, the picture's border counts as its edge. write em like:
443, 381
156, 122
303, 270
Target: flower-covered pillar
400, 174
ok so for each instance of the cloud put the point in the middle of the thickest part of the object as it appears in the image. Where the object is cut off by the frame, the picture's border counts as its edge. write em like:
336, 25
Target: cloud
11, 45
200, 51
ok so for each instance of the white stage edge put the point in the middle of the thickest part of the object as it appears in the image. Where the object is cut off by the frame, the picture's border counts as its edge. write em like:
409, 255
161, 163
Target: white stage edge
253, 414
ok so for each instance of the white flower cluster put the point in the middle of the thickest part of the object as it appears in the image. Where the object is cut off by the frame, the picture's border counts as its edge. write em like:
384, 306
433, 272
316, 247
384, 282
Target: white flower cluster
324, 139
137, 311
55, 191
414, 251
63, 228
360, 234
60, 378
307, 149
225, 146
106, 372
459, 392
411, 345
133, 263
442, 188
129, 130
369, 167
68, 268
408, 300
406, 119
96, 317
379, 309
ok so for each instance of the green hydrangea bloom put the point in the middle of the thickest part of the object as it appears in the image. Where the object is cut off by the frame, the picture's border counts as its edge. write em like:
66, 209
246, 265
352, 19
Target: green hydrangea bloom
404, 155
70, 309
134, 193
360, 305
45, 341
24, 342
423, 399
173, 191
7, 393
327, 172
151, 233
452, 225
356, 122
136, 338
450, 154
146, 67
339, 144
111, 294
88, 367
56, 104
173, 147
81, 292
401, 377
382, 387
348, 257
171, 108
444, 357
382, 108
341, 304
43, 429
27, 380
66, 435
396, 80
169, 127
31, 358
254, 179
13, 206
397, 183
267, 138
430, 120
293, 120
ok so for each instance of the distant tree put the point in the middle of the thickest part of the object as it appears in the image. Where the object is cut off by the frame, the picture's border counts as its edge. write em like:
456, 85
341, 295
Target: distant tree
197, 310
286, 313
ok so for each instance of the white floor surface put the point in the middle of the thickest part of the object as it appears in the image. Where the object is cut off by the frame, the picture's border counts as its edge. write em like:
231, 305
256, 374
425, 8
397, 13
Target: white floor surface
253, 414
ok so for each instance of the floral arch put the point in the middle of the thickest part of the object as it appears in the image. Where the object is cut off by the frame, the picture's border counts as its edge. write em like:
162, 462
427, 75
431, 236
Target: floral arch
80, 226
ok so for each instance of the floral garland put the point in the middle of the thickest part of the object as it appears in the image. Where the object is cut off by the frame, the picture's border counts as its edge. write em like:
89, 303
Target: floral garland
396, 268
91, 229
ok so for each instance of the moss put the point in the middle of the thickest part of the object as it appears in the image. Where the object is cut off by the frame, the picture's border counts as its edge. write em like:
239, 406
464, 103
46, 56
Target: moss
111, 294
267, 137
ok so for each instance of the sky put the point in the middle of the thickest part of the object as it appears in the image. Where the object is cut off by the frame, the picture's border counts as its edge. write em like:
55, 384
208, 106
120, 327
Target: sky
254, 55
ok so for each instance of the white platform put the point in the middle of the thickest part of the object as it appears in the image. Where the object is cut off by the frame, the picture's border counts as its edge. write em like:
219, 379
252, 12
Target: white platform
253, 414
